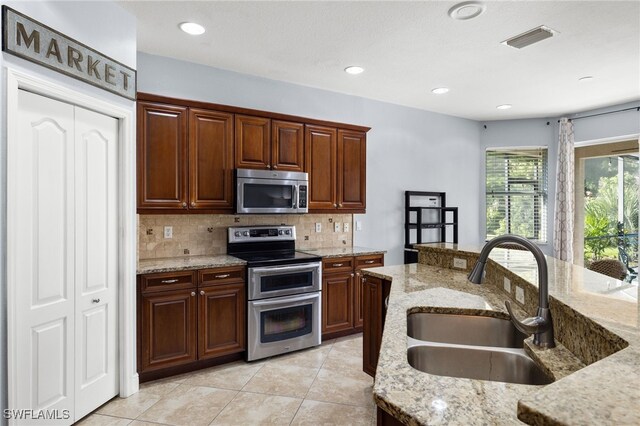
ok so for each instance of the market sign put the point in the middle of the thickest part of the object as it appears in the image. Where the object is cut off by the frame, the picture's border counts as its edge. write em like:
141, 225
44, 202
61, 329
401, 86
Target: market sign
36, 42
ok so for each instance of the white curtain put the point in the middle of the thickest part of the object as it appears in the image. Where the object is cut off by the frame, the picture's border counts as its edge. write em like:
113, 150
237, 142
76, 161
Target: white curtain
564, 209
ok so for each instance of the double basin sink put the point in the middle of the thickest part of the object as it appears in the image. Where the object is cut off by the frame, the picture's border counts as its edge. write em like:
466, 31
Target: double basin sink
470, 346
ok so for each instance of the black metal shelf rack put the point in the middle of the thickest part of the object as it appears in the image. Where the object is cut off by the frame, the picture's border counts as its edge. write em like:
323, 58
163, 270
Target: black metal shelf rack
446, 217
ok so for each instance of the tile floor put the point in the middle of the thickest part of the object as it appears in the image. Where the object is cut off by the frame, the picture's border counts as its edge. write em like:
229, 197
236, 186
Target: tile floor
324, 385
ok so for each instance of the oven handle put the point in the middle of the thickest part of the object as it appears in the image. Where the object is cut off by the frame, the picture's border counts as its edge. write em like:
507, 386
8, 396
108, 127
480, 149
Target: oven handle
281, 300
298, 267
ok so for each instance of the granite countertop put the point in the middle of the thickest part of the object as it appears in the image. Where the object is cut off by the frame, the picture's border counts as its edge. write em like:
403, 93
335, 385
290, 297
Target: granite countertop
170, 264
342, 251
605, 392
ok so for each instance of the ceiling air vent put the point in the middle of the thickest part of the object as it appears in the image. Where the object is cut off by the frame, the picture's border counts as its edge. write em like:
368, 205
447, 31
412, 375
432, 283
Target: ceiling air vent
530, 37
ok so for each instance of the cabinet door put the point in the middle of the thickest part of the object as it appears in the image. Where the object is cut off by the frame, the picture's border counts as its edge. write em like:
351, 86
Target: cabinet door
168, 329
358, 292
221, 320
372, 318
337, 302
320, 162
253, 142
210, 160
352, 170
162, 156
287, 146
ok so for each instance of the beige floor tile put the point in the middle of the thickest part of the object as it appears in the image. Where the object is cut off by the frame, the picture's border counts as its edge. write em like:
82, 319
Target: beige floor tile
158, 388
352, 388
129, 408
229, 376
351, 346
141, 423
311, 358
189, 405
341, 361
101, 420
283, 380
258, 409
325, 413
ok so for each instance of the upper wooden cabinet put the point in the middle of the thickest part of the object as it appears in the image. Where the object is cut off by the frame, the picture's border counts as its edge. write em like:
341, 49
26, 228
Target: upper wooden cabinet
210, 159
162, 156
253, 142
265, 144
336, 163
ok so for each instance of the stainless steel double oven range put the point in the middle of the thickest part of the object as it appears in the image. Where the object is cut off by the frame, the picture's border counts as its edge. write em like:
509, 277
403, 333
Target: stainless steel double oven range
283, 290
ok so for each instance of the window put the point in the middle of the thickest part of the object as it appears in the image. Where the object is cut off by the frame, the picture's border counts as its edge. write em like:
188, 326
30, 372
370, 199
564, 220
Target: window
516, 192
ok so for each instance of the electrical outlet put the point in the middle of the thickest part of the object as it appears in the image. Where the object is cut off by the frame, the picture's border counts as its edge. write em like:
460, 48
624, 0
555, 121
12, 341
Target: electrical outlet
346, 226
168, 231
507, 285
318, 227
459, 263
336, 226
520, 295
358, 225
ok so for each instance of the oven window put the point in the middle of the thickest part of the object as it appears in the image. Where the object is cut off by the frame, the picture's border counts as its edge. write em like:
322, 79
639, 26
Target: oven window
285, 323
286, 281
266, 196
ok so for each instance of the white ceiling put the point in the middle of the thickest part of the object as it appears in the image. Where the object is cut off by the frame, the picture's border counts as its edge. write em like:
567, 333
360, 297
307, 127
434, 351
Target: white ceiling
408, 48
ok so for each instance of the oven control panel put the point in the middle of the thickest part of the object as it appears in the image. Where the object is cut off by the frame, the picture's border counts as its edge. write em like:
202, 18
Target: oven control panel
239, 234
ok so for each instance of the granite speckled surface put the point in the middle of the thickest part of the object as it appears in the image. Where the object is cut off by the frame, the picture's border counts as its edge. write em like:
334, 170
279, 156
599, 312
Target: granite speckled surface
605, 392
170, 264
343, 251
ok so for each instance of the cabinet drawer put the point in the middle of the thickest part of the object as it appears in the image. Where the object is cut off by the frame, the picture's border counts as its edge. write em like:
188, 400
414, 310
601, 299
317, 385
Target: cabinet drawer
167, 281
215, 276
337, 264
369, 261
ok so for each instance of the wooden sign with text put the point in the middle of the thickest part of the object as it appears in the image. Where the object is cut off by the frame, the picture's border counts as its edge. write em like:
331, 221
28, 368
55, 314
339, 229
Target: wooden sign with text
36, 42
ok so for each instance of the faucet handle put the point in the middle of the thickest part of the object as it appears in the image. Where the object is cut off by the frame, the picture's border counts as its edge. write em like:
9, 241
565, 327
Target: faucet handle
529, 325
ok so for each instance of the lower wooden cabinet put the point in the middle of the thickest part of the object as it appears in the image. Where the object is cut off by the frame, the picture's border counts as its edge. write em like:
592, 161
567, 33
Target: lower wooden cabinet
342, 294
375, 292
189, 328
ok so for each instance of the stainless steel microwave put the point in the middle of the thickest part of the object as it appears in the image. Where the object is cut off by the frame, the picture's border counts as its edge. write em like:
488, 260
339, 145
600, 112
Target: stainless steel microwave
267, 191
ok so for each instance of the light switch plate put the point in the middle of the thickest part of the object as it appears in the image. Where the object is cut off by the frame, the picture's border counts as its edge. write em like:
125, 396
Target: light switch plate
336, 226
346, 227
520, 295
507, 285
459, 263
318, 227
358, 225
168, 231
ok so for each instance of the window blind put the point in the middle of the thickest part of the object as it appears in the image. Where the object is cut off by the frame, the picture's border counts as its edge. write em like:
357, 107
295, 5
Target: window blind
516, 192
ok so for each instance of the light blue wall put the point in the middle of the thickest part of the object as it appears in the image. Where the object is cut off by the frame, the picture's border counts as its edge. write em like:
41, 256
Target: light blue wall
407, 148
103, 26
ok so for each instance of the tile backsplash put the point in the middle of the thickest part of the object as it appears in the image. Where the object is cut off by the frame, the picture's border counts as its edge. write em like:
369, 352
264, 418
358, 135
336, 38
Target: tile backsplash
197, 234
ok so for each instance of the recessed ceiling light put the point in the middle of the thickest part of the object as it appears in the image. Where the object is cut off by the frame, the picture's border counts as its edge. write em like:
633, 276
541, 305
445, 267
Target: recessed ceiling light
505, 106
440, 90
191, 28
466, 10
585, 78
353, 70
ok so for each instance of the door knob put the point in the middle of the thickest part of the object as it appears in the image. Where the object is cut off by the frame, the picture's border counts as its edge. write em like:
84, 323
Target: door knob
184, 204
275, 167
193, 204
193, 293
201, 292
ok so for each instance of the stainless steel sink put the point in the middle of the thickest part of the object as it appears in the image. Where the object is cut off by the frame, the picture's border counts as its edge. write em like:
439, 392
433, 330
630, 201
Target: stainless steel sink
464, 330
473, 363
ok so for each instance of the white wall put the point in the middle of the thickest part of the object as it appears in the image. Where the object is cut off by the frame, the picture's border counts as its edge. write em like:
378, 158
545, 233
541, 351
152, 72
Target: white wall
407, 149
103, 26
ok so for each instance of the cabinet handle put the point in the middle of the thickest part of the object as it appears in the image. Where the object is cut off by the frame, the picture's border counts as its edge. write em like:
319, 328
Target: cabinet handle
268, 166
95, 300
337, 265
340, 205
193, 204
369, 262
275, 167
169, 281
193, 293
201, 292
184, 204
357, 274
386, 303
352, 274
222, 276
364, 279
335, 205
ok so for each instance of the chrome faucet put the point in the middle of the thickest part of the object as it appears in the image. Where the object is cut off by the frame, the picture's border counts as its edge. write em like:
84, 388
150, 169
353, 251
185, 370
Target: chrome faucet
541, 326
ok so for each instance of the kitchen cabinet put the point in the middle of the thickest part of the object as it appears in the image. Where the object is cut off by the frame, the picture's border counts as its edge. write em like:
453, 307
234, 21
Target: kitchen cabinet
253, 142
189, 320
336, 163
185, 159
342, 293
287, 146
162, 156
375, 293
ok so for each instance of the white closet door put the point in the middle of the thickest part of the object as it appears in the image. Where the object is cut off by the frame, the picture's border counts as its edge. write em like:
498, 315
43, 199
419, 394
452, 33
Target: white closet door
96, 263
41, 225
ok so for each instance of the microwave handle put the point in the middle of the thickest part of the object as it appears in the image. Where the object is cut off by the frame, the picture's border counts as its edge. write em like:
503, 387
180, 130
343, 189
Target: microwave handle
295, 196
